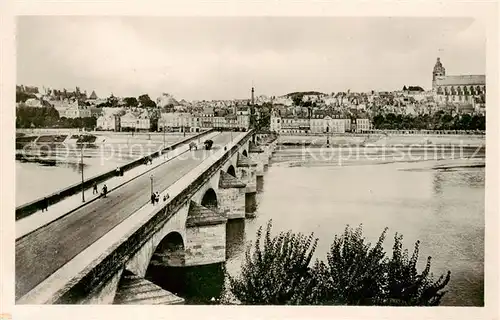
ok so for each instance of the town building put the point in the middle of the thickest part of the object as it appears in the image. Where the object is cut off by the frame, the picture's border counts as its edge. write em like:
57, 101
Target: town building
179, 122
363, 125
317, 123
135, 121
128, 121
108, 123
76, 110
143, 122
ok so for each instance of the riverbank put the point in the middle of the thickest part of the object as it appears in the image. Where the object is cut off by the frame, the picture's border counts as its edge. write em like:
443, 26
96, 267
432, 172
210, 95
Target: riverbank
381, 140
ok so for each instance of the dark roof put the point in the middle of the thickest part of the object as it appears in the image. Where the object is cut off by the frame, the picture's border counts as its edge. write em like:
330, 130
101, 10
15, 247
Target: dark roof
199, 215
227, 181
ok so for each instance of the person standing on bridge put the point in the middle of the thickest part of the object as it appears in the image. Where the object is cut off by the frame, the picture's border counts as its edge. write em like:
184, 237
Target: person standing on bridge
153, 198
45, 204
94, 188
104, 190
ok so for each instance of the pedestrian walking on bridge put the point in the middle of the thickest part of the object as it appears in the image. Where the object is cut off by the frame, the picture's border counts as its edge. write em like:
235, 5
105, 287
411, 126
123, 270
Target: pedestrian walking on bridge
104, 190
45, 204
94, 188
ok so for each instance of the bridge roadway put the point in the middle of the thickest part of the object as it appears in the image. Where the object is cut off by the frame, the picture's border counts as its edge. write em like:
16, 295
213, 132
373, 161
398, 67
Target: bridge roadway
42, 252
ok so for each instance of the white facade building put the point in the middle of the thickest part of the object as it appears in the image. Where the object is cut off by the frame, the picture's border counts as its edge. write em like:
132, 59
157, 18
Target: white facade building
128, 120
362, 125
317, 124
76, 111
108, 122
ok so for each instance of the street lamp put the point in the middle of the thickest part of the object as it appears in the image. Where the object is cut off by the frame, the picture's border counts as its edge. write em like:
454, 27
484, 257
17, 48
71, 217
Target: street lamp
163, 141
81, 165
328, 136
151, 177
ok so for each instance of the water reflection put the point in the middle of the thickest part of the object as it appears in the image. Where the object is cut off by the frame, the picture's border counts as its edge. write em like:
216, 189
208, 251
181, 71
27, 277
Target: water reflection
197, 284
235, 237
260, 184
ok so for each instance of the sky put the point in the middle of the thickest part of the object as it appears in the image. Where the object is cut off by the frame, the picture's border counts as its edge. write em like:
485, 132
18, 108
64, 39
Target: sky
205, 58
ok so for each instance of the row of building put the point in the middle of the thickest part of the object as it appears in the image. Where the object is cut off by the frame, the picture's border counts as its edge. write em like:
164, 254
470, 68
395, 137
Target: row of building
173, 121
317, 124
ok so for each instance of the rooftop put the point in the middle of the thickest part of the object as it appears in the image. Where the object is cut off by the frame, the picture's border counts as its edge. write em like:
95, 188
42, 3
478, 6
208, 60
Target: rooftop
461, 80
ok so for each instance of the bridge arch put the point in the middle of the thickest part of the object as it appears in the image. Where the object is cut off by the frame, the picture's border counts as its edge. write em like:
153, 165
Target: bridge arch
231, 170
167, 263
170, 251
245, 153
209, 199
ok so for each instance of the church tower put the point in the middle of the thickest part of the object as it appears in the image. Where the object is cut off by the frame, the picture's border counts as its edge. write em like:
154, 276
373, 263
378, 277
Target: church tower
438, 71
252, 96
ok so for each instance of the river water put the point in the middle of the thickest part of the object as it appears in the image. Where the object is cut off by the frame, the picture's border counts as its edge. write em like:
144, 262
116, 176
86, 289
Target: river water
35, 180
439, 202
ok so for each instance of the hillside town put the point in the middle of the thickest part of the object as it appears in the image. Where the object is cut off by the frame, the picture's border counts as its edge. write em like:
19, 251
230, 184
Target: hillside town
458, 99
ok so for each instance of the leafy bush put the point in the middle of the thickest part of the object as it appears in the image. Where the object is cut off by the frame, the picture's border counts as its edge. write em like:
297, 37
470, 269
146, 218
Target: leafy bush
405, 286
278, 273
355, 273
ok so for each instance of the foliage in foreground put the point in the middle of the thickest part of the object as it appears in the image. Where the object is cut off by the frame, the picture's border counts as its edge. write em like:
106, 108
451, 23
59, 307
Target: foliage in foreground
276, 273
355, 273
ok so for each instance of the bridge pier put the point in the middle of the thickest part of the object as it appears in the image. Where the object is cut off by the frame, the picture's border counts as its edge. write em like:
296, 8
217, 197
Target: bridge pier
246, 172
231, 196
257, 155
205, 236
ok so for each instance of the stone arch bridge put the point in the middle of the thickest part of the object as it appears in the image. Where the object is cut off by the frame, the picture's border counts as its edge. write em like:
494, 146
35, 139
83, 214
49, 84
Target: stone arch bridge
187, 230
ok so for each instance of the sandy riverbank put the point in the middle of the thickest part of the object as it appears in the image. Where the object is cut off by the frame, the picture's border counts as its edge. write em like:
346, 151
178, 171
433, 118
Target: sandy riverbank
378, 140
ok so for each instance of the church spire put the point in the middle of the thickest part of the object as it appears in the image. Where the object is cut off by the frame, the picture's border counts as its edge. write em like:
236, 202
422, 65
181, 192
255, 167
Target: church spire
439, 71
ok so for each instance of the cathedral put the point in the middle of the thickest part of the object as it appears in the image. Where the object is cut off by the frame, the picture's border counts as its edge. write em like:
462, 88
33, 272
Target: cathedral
461, 89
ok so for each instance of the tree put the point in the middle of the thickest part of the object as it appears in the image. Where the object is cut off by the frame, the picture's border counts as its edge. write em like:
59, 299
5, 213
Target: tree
146, 102
39, 117
355, 273
131, 102
297, 100
404, 285
276, 273
359, 274
378, 121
